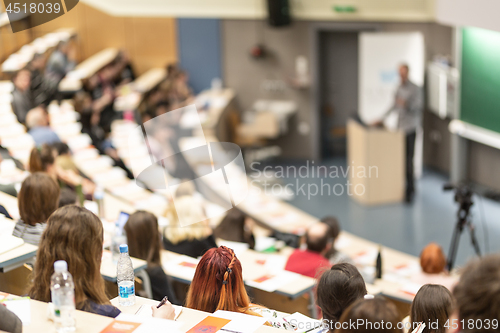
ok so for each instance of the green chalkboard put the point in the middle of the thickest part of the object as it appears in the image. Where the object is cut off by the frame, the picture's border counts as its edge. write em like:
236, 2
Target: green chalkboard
480, 95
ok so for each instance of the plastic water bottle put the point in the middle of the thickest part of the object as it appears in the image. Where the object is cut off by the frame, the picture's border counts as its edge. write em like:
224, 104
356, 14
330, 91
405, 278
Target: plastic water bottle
125, 278
63, 297
99, 198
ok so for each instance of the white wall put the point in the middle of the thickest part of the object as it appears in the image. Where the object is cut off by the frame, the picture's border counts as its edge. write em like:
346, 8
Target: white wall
367, 10
476, 13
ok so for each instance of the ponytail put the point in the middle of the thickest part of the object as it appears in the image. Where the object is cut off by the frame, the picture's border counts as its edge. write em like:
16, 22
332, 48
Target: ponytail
40, 158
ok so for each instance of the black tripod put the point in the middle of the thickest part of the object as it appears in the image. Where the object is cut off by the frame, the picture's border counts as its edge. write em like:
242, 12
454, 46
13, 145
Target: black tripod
463, 196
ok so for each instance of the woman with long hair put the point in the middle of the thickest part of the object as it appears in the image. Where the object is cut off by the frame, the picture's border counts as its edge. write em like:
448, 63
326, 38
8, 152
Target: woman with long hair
433, 304
37, 199
144, 243
189, 237
75, 235
218, 285
338, 288
61, 168
374, 315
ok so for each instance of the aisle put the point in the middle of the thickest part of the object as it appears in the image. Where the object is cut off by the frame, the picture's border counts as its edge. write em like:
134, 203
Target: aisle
406, 228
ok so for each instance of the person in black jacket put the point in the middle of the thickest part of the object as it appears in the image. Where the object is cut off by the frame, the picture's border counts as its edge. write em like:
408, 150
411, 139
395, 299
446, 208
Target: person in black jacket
188, 232
144, 242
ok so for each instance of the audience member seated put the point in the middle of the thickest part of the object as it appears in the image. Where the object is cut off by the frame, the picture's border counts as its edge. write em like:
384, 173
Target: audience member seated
236, 227
43, 88
9, 321
37, 121
22, 99
432, 304
308, 261
433, 263
368, 316
333, 254
45, 159
75, 235
38, 198
67, 197
189, 237
144, 242
338, 288
61, 61
218, 285
477, 297
180, 93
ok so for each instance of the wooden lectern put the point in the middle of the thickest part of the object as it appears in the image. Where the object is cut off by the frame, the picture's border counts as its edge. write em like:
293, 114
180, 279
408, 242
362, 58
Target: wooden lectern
376, 158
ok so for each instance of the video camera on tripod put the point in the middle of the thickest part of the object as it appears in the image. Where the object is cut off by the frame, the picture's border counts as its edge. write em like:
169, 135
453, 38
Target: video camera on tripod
463, 196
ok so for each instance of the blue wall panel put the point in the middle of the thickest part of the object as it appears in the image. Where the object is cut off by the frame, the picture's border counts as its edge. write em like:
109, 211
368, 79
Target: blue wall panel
200, 50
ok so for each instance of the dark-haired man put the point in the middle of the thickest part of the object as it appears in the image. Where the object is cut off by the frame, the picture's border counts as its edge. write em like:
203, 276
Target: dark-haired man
308, 261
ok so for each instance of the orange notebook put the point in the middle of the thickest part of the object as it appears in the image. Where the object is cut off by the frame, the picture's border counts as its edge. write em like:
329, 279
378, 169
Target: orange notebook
118, 326
209, 325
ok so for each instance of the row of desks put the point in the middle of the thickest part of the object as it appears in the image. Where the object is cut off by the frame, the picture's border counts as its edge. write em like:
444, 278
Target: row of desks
92, 323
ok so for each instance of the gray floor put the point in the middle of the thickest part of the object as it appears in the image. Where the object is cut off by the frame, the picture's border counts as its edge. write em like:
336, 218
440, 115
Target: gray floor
405, 227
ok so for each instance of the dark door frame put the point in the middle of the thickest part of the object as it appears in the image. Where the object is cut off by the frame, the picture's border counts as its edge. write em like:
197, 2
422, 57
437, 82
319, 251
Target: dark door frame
315, 30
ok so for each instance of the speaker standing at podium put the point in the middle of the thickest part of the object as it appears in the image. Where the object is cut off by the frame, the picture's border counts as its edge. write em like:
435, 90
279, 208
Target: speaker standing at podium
408, 104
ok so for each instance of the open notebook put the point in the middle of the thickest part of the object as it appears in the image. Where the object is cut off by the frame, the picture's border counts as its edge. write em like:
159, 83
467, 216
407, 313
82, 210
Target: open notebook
7, 241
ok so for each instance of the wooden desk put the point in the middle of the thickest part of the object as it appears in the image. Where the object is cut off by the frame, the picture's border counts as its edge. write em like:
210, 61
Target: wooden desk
85, 321
87, 68
17, 257
149, 80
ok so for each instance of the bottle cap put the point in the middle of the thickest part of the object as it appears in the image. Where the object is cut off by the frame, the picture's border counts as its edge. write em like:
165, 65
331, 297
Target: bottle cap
60, 266
123, 248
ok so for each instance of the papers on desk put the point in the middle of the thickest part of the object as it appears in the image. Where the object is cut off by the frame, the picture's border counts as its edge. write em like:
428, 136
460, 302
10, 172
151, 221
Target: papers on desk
145, 311
237, 247
7, 241
209, 324
239, 322
183, 266
21, 307
126, 323
271, 281
366, 258
303, 323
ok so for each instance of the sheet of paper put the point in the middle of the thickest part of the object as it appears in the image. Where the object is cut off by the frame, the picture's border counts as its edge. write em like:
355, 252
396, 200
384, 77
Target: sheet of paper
21, 307
303, 323
120, 326
209, 324
271, 281
147, 325
237, 247
182, 266
239, 322
145, 311
410, 288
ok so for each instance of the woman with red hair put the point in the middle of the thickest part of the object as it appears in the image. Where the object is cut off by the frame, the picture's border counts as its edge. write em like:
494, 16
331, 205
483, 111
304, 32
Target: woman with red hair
433, 265
218, 285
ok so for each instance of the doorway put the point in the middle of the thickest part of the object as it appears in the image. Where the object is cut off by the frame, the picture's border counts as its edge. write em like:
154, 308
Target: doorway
338, 88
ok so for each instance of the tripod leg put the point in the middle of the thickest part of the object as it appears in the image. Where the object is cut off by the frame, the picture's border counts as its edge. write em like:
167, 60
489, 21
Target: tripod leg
454, 245
473, 239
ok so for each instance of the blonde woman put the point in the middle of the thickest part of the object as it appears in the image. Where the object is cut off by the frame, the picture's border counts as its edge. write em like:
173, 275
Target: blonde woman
192, 236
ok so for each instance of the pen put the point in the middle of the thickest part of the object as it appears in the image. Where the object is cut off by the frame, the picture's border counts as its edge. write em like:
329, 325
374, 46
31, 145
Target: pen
163, 301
